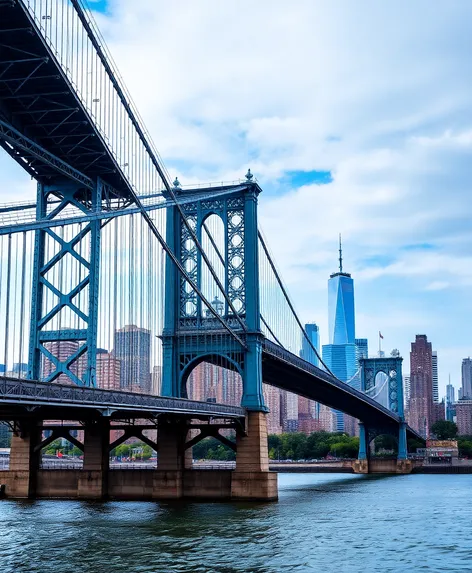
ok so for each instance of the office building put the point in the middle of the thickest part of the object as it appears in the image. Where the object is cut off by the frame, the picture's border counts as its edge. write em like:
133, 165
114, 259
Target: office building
421, 385
362, 347
466, 379
450, 402
341, 318
133, 350
313, 334
341, 354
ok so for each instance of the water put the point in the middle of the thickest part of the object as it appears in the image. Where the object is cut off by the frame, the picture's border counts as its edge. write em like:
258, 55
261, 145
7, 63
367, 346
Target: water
322, 523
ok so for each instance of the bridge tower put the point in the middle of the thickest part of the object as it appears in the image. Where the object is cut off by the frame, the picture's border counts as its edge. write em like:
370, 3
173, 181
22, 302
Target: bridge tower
392, 389
65, 282
192, 334
228, 334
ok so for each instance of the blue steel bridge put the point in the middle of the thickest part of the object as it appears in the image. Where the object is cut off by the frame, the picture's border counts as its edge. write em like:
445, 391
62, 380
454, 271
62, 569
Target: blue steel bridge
110, 242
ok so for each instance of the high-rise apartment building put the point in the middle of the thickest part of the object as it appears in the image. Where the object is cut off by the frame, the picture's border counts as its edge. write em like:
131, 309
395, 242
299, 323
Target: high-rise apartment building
272, 399
289, 405
466, 378
210, 383
421, 385
108, 370
434, 364
464, 417
340, 355
133, 350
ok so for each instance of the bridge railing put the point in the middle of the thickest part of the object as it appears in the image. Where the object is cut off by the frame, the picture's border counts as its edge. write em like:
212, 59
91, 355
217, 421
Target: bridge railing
13, 391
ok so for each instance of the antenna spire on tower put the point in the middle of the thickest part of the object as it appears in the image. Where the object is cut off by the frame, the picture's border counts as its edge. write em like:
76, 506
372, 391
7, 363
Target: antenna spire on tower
340, 255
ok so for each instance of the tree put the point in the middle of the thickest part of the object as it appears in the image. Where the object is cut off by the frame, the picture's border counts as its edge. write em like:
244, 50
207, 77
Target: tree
386, 443
465, 446
444, 430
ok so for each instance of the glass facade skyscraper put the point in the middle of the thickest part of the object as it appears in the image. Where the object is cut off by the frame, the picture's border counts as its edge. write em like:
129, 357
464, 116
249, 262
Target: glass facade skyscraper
342, 328
313, 333
341, 354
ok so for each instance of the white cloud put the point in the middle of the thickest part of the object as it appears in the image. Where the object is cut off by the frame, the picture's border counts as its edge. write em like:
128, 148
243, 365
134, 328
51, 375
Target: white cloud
376, 92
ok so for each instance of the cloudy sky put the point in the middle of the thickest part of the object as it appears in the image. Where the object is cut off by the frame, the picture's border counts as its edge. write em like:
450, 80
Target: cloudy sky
356, 118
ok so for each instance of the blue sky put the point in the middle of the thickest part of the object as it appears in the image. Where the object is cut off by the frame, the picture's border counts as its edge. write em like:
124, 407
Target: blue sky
356, 119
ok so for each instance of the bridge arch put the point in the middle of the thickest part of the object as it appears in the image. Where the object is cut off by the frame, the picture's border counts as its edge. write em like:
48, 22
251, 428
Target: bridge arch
212, 376
381, 379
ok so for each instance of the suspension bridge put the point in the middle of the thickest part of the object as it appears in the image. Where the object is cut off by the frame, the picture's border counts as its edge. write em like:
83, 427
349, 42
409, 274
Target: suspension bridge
110, 242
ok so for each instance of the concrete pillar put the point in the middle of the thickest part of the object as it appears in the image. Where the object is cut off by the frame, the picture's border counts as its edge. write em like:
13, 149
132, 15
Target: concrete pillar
252, 479
168, 479
93, 481
25, 456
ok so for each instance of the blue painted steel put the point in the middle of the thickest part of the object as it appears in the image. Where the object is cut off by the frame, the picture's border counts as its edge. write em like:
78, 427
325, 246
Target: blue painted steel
41, 335
191, 336
402, 442
392, 367
363, 441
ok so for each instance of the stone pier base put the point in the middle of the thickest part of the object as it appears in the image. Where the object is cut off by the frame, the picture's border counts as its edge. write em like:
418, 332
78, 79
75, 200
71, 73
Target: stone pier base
379, 466
251, 480
360, 466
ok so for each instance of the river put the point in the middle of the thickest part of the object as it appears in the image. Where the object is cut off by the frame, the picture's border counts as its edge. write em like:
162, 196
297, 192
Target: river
322, 523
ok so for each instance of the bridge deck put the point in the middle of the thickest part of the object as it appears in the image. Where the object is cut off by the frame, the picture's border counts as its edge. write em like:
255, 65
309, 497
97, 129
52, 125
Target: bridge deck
23, 397
287, 371
39, 106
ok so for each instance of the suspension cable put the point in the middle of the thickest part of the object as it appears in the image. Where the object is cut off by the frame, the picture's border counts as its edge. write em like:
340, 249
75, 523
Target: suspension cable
289, 302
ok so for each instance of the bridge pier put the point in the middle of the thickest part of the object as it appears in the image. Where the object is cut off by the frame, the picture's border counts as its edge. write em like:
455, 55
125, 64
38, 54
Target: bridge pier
366, 465
93, 480
24, 461
168, 478
252, 478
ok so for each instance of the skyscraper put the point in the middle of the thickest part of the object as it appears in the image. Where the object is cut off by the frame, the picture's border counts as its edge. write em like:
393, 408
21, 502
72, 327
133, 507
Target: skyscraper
406, 392
342, 329
313, 334
421, 385
467, 378
133, 349
434, 363
108, 370
340, 355
362, 347
450, 401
